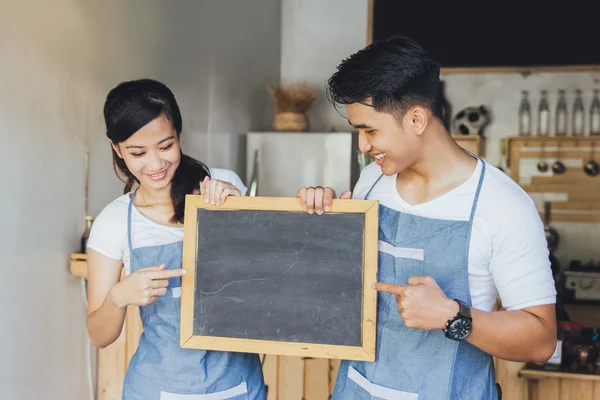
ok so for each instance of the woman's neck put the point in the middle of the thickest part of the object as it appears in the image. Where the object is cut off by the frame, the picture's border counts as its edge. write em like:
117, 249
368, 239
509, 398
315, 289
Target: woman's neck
156, 197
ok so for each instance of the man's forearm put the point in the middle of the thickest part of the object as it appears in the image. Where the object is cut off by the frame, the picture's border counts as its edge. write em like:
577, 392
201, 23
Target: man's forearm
521, 335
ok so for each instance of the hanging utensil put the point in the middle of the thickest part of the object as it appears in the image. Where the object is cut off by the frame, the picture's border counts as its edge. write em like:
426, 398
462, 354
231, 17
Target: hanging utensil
591, 168
542, 165
558, 167
552, 236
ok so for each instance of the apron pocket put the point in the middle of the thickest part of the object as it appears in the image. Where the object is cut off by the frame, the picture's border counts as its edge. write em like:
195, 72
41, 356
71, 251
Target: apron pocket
378, 391
240, 392
402, 252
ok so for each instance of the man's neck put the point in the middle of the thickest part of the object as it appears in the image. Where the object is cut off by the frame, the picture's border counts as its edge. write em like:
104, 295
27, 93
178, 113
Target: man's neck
443, 166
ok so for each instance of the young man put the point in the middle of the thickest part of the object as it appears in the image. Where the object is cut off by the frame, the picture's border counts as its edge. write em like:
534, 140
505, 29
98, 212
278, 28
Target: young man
454, 233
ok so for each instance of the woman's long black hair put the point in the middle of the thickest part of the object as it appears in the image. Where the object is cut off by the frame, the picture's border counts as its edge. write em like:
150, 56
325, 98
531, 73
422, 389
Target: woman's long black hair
130, 106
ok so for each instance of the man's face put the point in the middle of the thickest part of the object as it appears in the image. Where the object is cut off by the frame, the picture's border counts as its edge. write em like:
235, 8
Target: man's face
395, 146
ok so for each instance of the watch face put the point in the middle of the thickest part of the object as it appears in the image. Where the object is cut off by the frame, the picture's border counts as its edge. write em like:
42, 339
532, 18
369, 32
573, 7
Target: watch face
460, 329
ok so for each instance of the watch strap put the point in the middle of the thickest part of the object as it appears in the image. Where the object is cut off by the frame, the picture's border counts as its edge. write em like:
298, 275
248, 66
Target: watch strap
463, 309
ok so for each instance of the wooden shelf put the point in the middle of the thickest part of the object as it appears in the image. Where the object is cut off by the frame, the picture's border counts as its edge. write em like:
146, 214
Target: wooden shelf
573, 195
78, 264
535, 141
539, 374
475, 138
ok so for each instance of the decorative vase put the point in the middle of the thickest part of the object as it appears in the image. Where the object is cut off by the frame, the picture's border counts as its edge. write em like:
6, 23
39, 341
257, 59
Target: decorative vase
290, 122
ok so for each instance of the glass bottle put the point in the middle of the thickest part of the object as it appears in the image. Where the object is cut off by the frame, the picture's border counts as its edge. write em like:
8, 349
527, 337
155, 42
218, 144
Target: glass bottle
595, 115
524, 115
561, 114
578, 114
544, 115
89, 220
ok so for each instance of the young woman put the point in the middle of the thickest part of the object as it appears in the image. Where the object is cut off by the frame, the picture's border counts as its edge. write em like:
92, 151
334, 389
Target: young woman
142, 230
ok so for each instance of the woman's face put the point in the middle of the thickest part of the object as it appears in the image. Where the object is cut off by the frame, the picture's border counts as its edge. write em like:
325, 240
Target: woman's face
152, 154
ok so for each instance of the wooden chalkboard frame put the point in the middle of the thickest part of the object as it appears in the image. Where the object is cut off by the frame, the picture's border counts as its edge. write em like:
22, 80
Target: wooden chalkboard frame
365, 352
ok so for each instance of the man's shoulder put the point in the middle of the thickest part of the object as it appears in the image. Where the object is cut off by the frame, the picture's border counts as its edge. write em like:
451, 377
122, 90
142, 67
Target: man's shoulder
499, 188
501, 198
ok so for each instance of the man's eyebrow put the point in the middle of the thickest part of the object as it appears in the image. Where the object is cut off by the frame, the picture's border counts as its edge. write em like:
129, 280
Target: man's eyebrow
360, 126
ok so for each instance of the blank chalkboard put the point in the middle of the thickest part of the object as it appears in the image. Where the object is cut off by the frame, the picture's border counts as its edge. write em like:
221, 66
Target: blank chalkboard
266, 277
530, 34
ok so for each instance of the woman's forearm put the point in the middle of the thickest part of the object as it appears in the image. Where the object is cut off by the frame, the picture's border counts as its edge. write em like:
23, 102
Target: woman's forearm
105, 324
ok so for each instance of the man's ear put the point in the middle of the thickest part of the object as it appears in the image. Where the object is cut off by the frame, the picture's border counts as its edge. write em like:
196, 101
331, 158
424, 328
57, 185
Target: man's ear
116, 148
419, 119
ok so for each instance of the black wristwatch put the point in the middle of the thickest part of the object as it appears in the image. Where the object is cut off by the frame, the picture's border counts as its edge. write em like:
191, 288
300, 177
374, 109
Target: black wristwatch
459, 327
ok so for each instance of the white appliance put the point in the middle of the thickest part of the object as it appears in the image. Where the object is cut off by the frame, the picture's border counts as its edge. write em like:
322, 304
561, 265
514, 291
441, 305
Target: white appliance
585, 285
279, 163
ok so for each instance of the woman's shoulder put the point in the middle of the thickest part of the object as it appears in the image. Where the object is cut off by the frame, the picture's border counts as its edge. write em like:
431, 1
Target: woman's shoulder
222, 173
116, 209
230, 176
109, 230
113, 217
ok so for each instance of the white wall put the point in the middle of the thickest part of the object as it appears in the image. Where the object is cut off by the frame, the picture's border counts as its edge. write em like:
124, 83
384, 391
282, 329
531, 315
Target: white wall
245, 53
41, 307
57, 61
218, 64
315, 37
318, 35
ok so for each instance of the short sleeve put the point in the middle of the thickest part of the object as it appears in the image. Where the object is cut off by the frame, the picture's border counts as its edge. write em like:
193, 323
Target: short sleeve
367, 178
109, 231
520, 264
227, 175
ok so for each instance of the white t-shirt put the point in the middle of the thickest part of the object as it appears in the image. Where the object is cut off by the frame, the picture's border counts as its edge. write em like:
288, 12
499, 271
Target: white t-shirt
109, 231
508, 254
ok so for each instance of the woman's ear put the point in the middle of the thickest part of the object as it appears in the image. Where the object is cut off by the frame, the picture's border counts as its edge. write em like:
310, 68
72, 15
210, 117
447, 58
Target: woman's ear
116, 148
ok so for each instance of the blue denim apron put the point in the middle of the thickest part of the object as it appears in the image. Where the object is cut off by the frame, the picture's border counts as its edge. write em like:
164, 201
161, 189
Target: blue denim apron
160, 369
411, 363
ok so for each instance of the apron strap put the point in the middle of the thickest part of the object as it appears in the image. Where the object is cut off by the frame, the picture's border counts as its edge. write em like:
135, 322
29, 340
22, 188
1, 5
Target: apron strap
129, 224
479, 185
371, 189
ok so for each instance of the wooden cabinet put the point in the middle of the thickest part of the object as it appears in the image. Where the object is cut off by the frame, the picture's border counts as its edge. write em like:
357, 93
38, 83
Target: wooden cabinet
543, 385
287, 378
114, 359
574, 197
